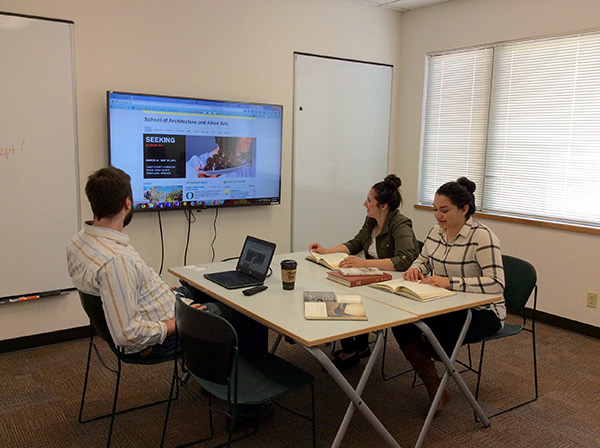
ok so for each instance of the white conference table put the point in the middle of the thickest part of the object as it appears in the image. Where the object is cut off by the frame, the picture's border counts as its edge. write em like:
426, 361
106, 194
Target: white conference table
423, 310
283, 312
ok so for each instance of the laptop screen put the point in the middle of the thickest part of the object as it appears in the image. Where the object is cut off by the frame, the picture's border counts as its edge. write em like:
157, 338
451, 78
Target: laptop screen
256, 257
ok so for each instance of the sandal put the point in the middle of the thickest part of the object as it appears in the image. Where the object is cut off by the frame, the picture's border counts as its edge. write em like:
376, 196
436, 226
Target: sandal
345, 363
365, 353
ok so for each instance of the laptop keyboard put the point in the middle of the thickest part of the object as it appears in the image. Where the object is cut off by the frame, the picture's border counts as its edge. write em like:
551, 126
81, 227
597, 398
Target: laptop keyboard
255, 258
233, 277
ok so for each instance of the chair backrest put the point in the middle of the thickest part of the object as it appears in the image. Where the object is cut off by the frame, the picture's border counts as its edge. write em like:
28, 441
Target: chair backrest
520, 278
209, 344
92, 305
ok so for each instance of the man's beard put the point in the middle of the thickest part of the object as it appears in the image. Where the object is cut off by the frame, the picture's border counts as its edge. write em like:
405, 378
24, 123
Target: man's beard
128, 217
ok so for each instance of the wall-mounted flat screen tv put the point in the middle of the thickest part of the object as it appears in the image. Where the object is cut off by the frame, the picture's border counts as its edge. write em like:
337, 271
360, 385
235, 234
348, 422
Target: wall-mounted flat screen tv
184, 153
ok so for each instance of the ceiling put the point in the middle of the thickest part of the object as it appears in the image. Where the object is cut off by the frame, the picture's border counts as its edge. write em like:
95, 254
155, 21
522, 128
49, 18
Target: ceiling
401, 5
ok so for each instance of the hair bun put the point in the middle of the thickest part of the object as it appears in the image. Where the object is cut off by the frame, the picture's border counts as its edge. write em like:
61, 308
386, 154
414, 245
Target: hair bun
468, 184
393, 181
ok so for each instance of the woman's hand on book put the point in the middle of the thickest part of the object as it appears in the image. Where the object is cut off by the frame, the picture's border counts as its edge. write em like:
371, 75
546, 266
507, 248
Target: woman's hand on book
316, 248
437, 280
353, 262
413, 275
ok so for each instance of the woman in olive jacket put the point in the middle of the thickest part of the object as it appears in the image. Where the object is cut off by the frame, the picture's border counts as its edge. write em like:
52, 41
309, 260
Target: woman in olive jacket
389, 243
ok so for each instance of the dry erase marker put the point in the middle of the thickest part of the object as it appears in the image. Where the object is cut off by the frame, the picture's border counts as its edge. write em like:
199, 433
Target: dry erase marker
20, 299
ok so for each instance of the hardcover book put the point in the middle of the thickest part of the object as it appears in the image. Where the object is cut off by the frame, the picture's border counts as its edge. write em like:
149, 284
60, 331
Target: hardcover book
360, 271
357, 280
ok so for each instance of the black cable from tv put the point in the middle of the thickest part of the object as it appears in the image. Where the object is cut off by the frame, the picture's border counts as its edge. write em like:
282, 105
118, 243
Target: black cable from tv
190, 219
212, 244
162, 245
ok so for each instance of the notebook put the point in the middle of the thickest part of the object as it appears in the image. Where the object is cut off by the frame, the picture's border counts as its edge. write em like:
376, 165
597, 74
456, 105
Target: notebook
251, 268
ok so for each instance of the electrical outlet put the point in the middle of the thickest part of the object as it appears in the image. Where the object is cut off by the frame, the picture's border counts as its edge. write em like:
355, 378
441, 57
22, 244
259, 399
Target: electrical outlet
592, 299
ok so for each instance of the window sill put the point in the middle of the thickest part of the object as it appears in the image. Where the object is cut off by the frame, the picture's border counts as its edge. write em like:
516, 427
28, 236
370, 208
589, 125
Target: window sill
527, 221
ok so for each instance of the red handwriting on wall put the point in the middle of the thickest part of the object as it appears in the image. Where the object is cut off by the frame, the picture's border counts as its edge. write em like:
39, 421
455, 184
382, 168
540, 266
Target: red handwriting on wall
12, 152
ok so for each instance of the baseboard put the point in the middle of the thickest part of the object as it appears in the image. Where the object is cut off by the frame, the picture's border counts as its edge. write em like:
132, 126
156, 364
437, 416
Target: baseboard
55, 337
566, 324
39, 340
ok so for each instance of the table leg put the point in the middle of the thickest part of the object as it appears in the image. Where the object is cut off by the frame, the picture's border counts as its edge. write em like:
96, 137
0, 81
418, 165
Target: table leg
276, 343
449, 370
354, 394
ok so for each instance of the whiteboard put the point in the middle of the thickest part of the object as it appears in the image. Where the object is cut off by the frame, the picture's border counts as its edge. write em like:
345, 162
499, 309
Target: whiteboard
39, 203
341, 139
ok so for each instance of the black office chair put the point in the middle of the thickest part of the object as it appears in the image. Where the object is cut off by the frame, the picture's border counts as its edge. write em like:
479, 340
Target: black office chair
210, 357
92, 306
521, 281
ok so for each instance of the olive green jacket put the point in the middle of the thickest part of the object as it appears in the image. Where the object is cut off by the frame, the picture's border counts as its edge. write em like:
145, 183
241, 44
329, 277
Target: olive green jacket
396, 240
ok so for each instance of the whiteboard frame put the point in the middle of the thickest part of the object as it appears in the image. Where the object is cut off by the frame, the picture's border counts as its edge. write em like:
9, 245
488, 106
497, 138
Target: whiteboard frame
63, 284
337, 208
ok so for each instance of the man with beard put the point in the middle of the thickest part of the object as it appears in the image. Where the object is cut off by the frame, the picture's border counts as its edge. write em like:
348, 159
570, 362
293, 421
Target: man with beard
138, 304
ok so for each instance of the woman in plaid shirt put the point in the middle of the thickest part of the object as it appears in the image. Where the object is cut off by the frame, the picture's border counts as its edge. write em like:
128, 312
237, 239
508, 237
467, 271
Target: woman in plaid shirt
460, 255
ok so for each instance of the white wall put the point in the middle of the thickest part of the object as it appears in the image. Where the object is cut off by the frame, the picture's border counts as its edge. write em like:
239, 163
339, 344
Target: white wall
243, 50
221, 49
566, 262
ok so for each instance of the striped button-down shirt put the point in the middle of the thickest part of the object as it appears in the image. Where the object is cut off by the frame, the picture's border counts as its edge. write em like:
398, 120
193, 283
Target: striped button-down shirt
135, 299
472, 261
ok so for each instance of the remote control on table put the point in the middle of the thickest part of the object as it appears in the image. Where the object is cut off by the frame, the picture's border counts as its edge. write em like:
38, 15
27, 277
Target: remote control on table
254, 290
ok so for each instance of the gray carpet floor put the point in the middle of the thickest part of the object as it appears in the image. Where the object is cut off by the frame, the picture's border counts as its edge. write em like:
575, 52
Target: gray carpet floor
40, 392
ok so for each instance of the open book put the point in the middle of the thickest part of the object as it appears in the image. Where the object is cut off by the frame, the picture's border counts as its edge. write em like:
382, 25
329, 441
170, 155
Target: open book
329, 305
332, 261
413, 290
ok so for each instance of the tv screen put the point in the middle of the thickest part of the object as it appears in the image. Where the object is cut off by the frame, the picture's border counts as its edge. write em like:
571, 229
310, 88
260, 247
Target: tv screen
184, 153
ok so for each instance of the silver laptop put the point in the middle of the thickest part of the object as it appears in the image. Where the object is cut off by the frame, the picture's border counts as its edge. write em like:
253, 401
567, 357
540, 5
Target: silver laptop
252, 266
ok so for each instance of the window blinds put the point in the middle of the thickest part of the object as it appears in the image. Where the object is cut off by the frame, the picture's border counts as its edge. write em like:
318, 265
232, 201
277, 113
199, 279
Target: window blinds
522, 120
544, 135
455, 119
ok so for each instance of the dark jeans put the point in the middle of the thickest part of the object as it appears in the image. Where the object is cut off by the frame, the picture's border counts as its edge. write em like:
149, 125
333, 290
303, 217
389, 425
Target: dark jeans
355, 344
447, 327
252, 336
167, 348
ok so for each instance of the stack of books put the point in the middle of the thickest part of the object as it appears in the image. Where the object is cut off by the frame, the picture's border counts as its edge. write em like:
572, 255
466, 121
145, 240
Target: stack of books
358, 276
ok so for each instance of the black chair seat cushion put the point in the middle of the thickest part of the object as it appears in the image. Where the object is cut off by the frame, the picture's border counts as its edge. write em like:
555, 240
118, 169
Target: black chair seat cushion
263, 377
507, 330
